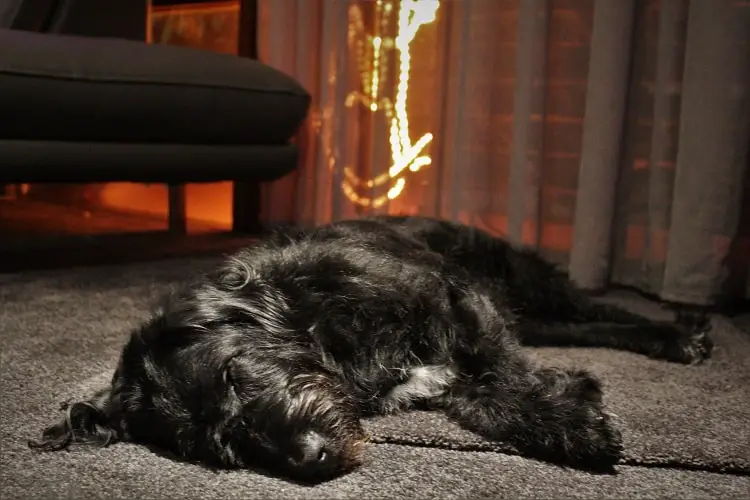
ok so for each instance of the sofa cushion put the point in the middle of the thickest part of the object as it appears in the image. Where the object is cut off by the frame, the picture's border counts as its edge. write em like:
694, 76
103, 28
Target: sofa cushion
69, 88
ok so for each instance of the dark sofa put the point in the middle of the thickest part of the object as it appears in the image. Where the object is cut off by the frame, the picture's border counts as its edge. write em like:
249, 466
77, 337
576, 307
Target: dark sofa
91, 106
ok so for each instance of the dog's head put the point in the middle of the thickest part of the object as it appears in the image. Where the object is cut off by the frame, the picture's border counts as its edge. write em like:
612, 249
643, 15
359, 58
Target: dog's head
208, 380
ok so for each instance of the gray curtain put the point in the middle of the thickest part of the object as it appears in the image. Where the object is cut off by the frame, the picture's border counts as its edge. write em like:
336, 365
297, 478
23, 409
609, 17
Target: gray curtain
612, 136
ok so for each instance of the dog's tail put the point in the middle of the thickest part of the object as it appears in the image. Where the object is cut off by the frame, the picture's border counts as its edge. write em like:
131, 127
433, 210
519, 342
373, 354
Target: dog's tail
90, 422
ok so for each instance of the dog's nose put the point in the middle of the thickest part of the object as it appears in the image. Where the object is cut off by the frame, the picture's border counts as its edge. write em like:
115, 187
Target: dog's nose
313, 449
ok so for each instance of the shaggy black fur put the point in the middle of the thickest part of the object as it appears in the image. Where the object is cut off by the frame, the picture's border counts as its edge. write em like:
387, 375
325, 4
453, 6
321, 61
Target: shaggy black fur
272, 360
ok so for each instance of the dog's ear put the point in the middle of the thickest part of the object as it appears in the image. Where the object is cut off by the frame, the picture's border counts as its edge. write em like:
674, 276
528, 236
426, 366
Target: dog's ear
96, 421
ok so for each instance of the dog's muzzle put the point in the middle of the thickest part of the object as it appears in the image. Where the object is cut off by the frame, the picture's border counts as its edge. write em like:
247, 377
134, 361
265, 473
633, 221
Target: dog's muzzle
317, 457
312, 451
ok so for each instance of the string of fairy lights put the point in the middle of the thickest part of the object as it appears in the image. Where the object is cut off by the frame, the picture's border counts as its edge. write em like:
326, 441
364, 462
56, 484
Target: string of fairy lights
372, 52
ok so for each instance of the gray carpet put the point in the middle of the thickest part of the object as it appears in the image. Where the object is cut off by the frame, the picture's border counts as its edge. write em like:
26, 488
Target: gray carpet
686, 429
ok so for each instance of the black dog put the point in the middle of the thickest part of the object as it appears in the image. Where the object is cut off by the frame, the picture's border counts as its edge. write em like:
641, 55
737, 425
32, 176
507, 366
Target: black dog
272, 360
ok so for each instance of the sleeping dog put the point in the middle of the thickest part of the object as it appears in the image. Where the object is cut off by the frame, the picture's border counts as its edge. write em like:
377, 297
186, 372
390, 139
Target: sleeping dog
271, 360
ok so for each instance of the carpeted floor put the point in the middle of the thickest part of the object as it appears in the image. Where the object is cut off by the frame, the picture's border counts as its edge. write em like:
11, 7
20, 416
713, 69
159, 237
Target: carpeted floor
686, 429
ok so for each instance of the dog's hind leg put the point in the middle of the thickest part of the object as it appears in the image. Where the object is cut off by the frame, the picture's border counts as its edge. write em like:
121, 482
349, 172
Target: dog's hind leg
552, 309
660, 340
564, 315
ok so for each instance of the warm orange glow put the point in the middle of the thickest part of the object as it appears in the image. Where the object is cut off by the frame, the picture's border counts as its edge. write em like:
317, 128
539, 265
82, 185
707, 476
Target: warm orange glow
371, 62
209, 26
208, 206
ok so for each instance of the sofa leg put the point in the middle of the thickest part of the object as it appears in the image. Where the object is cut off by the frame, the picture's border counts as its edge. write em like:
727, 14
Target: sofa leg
177, 209
246, 199
246, 208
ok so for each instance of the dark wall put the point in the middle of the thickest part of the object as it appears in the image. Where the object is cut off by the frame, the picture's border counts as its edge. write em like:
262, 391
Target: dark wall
110, 18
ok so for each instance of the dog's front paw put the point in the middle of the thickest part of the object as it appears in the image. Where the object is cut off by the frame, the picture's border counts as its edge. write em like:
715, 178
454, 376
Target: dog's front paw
579, 432
691, 344
587, 441
596, 444
601, 447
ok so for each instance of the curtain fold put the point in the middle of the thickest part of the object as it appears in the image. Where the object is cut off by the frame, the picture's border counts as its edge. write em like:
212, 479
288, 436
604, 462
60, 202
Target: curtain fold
712, 157
527, 148
670, 53
610, 136
603, 126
